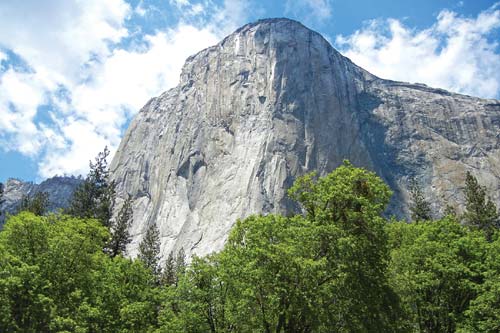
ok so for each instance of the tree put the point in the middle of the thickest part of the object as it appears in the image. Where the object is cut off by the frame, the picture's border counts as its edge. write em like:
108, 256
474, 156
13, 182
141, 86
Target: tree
420, 207
169, 275
2, 200
149, 250
436, 269
480, 211
120, 236
180, 262
44, 260
324, 269
37, 204
345, 208
483, 314
94, 198
173, 268
54, 277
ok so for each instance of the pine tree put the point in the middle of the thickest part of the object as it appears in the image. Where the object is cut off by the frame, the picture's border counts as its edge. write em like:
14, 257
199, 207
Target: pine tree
420, 208
149, 250
2, 200
180, 262
94, 198
120, 236
480, 211
1, 196
37, 204
169, 275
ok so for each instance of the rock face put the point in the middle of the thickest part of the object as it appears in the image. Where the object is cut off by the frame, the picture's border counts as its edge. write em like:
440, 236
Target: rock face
60, 190
272, 101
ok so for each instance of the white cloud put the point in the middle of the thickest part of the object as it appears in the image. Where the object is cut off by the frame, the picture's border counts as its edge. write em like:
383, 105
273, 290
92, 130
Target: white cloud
456, 53
92, 83
309, 10
58, 42
180, 3
60, 36
122, 84
20, 96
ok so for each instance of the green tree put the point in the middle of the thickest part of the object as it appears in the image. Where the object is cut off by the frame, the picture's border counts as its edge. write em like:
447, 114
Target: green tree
173, 268
420, 208
483, 314
323, 271
149, 250
198, 302
436, 269
37, 204
120, 236
94, 198
45, 260
346, 208
180, 262
480, 211
169, 274
54, 277
2, 200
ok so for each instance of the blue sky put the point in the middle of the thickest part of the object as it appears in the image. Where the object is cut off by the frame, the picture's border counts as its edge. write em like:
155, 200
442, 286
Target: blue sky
73, 73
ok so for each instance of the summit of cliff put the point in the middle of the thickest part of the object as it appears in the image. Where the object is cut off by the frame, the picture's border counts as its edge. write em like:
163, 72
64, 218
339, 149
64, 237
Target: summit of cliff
273, 101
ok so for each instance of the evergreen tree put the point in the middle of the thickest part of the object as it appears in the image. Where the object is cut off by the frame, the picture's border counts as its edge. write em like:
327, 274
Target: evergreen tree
180, 262
149, 250
120, 236
1, 197
94, 198
480, 211
169, 277
420, 208
173, 268
38, 204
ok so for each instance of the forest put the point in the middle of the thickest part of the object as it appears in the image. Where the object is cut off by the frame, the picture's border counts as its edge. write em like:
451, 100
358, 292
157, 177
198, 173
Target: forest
337, 265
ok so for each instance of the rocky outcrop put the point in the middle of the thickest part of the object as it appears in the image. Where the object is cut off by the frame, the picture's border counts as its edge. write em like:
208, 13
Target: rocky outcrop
60, 190
272, 101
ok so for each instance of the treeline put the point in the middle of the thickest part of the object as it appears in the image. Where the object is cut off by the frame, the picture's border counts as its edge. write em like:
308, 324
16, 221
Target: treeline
340, 266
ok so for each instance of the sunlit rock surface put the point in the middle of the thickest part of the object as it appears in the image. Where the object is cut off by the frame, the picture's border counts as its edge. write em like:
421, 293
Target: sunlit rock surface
272, 101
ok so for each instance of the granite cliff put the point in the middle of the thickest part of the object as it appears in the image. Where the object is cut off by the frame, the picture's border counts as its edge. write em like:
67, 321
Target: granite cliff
275, 100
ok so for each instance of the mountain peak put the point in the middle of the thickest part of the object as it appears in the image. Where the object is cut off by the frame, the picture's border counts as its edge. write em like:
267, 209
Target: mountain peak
271, 102
282, 21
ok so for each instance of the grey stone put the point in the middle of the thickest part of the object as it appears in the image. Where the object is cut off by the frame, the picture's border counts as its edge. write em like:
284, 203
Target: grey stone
59, 189
273, 101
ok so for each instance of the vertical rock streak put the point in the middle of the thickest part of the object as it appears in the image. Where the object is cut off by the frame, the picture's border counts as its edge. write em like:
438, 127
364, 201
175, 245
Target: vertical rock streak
273, 101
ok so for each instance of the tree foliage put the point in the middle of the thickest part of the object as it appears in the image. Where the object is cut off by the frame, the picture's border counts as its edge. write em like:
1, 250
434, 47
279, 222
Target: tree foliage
149, 250
436, 269
2, 200
54, 277
120, 236
95, 196
480, 212
311, 273
420, 208
337, 266
37, 204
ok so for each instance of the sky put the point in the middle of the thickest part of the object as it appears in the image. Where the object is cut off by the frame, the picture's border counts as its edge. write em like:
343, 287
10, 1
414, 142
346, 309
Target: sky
74, 72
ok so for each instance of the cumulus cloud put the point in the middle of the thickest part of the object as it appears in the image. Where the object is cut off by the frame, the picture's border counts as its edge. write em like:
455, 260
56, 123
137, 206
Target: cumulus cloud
20, 96
121, 85
456, 53
74, 75
58, 36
